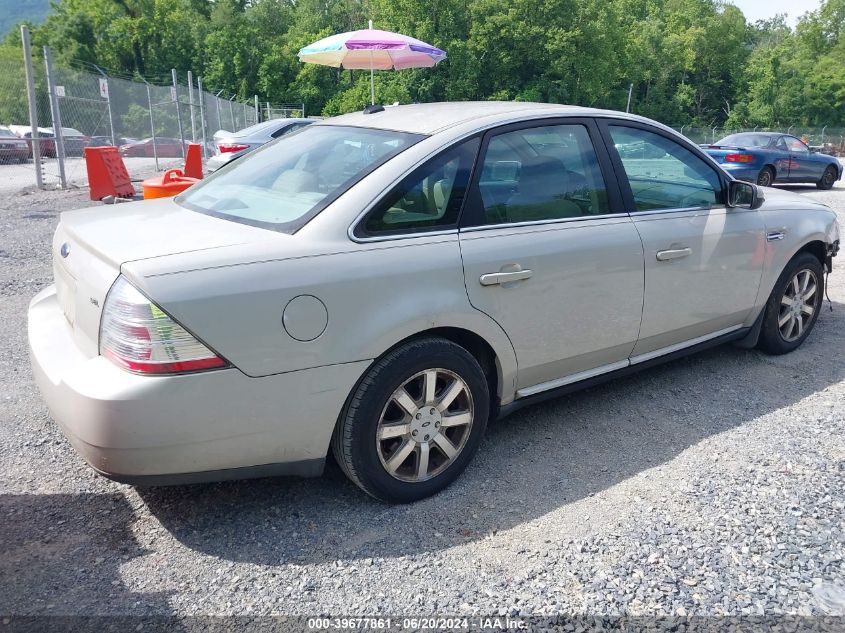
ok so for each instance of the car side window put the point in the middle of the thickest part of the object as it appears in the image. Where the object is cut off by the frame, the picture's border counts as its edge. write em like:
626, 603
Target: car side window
664, 174
796, 146
430, 198
781, 145
541, 173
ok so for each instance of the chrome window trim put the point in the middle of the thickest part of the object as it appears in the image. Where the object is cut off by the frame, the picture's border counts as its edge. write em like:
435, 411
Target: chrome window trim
508, 225
516, 118
398, 236
675, 210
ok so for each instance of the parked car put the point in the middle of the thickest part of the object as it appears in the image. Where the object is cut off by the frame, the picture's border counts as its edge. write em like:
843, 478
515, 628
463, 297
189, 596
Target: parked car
164, 148
74, 140
12, 148
105, 141
232, 145
770, 157
381, 284
46, 142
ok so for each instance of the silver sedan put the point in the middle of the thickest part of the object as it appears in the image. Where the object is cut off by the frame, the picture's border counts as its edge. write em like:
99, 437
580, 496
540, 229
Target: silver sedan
230, 146
382, 284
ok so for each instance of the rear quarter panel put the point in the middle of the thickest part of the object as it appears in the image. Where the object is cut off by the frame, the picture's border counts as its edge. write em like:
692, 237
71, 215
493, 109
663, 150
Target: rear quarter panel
376, 295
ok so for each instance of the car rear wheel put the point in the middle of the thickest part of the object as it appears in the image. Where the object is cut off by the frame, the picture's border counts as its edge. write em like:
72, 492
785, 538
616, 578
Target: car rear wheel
793, 306
766, 177
828, 178
414, 421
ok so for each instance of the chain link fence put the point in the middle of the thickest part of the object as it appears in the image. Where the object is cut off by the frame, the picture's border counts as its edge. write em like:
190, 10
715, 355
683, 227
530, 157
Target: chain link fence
16, 143
282, 111
77, 107
151, 124
83, 106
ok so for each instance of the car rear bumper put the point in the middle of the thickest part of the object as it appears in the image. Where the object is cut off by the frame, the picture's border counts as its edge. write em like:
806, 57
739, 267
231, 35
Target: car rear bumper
741, 172
184, 428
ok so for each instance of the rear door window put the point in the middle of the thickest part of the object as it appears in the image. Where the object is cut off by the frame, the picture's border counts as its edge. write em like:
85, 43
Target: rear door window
430, 198
541, 173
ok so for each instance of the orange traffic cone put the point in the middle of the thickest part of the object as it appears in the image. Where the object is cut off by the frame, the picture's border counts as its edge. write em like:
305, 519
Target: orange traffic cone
193, 161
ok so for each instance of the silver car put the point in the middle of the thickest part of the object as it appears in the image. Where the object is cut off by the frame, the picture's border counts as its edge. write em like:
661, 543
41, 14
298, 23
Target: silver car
383, 284
233, 145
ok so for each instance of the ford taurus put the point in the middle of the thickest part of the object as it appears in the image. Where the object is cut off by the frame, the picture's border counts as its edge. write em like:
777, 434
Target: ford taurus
381, 284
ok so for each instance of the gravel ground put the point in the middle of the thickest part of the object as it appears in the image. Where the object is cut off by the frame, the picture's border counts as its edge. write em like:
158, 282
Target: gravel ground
709, 486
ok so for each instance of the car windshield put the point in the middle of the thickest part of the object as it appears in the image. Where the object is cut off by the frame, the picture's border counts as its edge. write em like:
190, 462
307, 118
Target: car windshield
4, 131
287, 182
746, 140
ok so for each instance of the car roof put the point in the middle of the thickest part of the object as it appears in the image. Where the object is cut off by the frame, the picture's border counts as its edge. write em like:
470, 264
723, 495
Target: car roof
755, 133
431, 118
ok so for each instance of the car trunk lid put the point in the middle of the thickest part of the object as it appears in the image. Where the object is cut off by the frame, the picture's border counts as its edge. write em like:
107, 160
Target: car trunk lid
91, 245
719, 152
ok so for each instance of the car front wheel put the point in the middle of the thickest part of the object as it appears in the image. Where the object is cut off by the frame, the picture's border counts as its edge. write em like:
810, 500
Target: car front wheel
414, 421
793, 306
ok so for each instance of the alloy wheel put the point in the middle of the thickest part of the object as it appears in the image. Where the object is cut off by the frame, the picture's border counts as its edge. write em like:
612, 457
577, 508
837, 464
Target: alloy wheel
798, 305
425, 425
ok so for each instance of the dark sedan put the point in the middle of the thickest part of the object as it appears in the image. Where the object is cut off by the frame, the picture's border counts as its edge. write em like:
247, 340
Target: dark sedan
769, 157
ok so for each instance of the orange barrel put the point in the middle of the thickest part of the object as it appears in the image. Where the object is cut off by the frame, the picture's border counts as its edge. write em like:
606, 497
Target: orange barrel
170, 183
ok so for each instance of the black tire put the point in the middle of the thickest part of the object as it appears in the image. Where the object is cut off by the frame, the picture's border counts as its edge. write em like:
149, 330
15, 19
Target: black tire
354, 441
828, 178
772, 339
766, 177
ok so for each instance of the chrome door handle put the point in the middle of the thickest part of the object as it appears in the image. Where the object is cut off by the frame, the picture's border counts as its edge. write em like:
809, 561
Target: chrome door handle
673, 253
491, 279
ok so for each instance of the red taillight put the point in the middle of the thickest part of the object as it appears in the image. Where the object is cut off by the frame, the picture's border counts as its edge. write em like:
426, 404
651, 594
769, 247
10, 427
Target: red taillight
139, 336
738, 158
225, 148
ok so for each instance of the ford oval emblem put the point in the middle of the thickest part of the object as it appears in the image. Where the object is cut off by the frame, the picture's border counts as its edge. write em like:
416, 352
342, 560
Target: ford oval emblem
65, 250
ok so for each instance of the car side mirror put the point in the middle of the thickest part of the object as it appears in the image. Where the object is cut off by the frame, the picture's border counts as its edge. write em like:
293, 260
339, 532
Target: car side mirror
744, 195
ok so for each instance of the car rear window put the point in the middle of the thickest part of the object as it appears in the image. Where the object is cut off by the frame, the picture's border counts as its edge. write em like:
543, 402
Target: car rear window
288, 181
746, 140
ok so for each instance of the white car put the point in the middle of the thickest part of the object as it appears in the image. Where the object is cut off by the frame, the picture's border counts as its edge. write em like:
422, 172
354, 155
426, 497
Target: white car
381, 284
